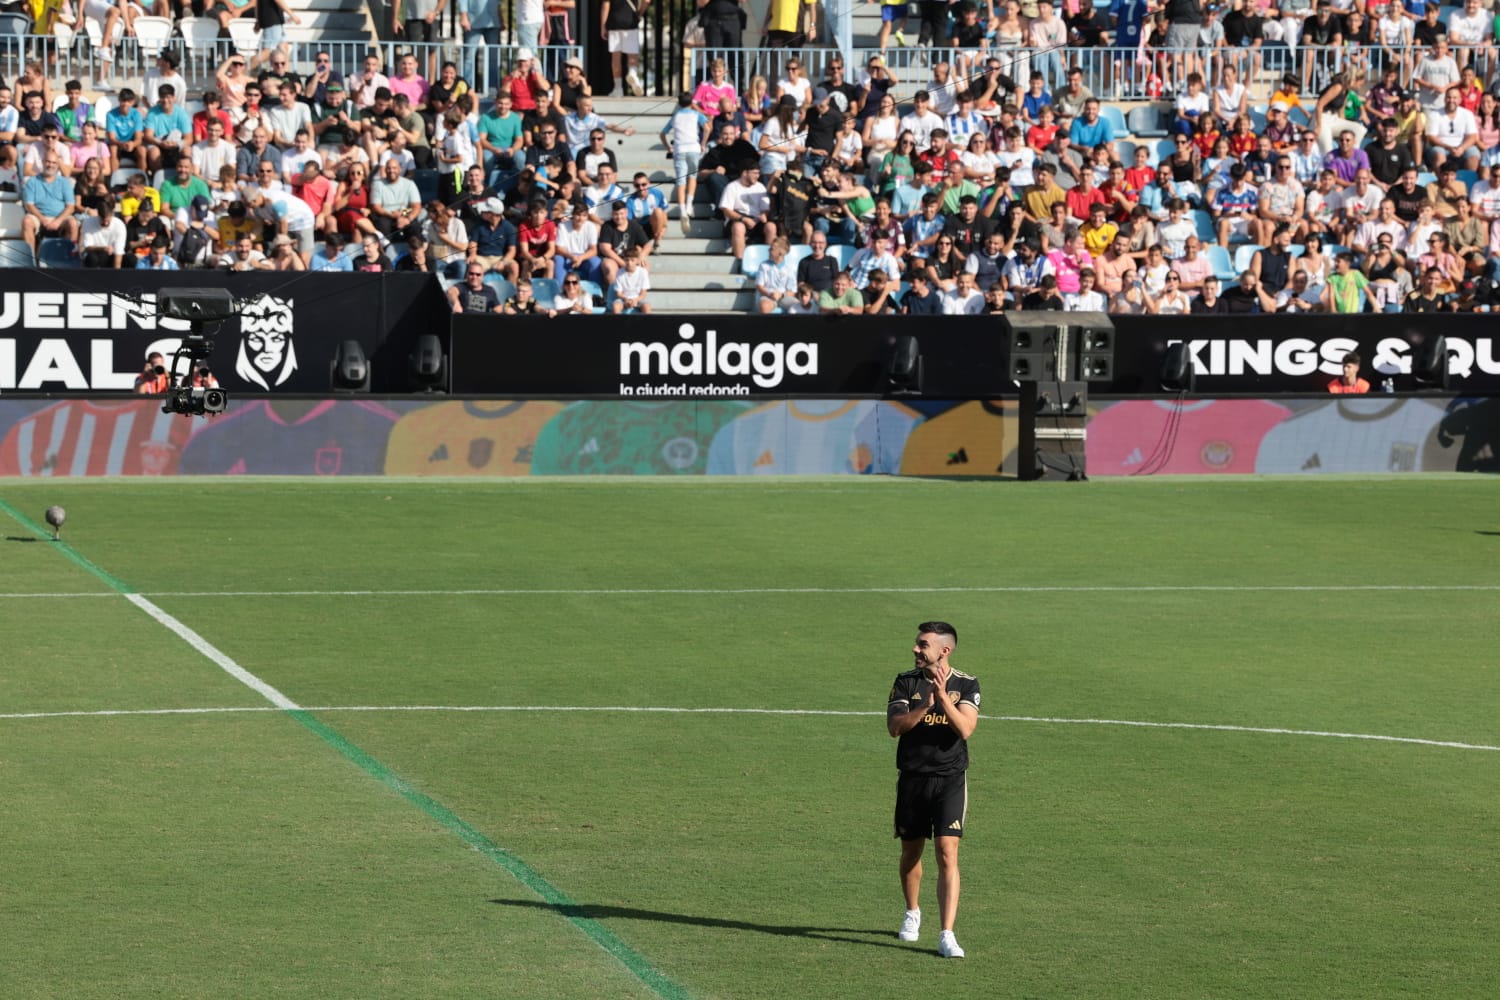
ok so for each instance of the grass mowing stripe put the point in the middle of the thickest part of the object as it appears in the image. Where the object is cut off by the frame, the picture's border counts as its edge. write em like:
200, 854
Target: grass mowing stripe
602, 936
732, 591
705, 710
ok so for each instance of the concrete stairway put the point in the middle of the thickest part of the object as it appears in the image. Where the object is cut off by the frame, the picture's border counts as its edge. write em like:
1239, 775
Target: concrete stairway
689, 274
328, 21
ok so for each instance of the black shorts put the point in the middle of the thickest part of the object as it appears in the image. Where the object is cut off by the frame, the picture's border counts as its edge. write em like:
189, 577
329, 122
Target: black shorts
930, 805
755, 232
419, 30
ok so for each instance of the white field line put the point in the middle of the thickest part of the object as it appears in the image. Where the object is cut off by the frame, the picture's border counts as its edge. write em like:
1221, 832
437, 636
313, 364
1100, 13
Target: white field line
658, 709
213, 653
734, 591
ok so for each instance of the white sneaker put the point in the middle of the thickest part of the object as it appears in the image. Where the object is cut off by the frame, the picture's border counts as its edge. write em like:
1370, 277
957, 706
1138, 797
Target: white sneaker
633, 84
910, 925
948, 946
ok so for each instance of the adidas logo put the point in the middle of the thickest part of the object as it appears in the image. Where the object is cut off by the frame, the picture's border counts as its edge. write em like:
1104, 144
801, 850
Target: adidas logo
440, 455
1135, 457
764, 459
590, 447
955, 825
959, 457
1313, 463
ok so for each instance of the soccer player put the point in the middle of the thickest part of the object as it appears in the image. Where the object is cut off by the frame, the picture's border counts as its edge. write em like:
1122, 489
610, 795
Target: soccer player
933, 710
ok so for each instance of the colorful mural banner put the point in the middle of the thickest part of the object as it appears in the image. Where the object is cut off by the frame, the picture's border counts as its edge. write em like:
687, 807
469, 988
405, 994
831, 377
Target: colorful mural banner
132, 437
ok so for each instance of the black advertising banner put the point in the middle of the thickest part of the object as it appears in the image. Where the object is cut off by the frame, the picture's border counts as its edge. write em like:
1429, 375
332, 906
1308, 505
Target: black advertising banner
1264, 355
74, 332
963, 357
728, 356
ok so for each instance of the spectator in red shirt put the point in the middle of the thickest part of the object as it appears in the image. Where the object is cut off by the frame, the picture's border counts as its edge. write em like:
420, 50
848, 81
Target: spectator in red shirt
1083, 195
212, 108
317, 191
940, 154
537, 237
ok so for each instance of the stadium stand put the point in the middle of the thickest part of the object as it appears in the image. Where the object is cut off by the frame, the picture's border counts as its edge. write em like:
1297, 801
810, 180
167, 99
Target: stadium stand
1070, 183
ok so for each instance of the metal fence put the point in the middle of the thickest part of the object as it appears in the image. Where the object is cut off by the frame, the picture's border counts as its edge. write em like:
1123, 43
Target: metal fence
1111, 74
482, 65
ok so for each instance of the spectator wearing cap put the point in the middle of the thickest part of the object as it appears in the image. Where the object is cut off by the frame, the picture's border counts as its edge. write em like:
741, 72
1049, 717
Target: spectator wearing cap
47, 200
617, 235
284, 255
525, 78
573, 85
481, 23
493, 240
583, 122
1280, 129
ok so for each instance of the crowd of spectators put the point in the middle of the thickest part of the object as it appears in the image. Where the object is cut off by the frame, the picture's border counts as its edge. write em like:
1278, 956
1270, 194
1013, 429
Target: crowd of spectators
995, 190
1003, 184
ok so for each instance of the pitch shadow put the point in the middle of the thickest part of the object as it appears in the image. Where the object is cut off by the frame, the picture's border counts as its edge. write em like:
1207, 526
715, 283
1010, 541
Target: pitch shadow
20, 538
1492, 534
585, 911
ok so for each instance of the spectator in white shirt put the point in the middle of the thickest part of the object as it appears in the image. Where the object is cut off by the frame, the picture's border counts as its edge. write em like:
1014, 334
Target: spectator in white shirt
1087, 298
102, 242
1470, 32
630, 286
963, 299
922, 121
747, 210
1452, 132
1435, 73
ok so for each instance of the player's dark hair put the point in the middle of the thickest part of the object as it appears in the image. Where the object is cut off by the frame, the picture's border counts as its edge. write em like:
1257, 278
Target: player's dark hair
939, 628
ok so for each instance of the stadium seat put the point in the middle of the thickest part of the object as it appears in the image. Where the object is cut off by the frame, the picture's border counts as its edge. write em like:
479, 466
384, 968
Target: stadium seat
1426, 177
754, 257
120, 177
1258, 117
152, 33
15, 253
14, 24
1145, 122
199, 36
843, 253
1203, 223
545, 291
1125, 152
1223, 267
59, 252
503, 288
429, 184
798, 252
246, 36
1243, 255
1469, 177
1165, 148
1116, 119
11, 216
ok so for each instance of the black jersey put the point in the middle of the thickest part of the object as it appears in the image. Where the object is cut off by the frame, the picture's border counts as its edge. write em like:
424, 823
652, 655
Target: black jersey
931, 746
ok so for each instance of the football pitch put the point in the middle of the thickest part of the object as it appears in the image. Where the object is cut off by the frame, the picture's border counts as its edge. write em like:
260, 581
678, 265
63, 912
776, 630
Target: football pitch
625, 738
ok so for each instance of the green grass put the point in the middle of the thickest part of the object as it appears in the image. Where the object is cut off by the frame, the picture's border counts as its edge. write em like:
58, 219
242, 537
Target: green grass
749, 855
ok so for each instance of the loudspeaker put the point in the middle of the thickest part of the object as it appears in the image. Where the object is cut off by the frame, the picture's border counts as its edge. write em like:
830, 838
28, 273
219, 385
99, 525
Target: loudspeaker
1096, 354
1033, 345
429, 367
350, 371
904, 372
1429, 364
1177, 374
196, 305
1052, 435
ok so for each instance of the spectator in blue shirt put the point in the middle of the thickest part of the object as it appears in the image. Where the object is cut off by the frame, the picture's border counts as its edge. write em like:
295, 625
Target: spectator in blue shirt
647, 206
48, 201
168, 128
124, 125
157, 259
1089, 130
492, 240
333, 257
